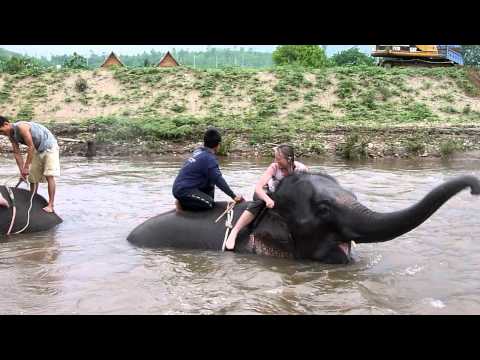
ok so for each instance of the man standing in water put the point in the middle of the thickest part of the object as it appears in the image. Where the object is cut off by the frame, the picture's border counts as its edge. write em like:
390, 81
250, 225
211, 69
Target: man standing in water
42, 163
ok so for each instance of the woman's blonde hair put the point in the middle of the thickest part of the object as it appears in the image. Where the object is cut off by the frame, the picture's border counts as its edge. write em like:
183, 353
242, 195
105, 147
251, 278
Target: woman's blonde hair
288, 154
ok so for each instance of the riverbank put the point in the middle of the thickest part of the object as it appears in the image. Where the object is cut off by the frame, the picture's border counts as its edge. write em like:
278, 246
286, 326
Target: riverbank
342, 142
350, 112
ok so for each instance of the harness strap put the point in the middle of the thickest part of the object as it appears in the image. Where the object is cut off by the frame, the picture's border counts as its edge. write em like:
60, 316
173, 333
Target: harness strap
228, 222
14, 209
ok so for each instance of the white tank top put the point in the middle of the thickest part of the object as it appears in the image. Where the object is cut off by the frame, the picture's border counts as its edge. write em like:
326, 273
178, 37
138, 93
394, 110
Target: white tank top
279, 175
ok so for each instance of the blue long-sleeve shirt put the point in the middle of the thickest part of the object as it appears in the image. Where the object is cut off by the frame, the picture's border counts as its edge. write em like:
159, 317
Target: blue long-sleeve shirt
200, 171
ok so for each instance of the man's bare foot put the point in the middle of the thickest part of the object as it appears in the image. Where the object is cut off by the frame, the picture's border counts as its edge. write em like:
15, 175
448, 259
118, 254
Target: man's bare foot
3, 202
48, 209
178, 206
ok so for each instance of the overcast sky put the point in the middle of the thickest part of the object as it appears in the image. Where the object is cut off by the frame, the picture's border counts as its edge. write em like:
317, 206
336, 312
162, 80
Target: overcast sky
85, 50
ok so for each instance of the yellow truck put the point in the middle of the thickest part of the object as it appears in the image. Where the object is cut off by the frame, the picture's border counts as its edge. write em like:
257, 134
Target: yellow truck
419, 55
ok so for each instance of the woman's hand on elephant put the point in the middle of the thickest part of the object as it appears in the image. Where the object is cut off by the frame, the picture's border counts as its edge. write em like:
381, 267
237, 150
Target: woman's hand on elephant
239, 199
270, 203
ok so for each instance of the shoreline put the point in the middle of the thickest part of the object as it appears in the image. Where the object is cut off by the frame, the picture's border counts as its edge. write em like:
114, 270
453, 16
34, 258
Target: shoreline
333, 142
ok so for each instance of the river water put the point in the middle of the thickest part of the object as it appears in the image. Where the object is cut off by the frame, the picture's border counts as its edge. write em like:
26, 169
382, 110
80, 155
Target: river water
86, 266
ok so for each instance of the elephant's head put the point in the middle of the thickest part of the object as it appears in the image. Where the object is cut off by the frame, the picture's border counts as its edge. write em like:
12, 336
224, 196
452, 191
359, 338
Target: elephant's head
324, 218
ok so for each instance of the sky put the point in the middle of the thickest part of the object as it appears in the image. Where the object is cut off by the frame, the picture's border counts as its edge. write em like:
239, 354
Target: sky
85, 50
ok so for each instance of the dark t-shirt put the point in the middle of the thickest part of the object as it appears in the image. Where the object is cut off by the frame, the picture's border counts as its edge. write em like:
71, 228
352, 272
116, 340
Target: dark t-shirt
200, 171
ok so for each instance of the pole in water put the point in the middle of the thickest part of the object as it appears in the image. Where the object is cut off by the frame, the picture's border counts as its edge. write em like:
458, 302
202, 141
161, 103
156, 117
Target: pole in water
91, 148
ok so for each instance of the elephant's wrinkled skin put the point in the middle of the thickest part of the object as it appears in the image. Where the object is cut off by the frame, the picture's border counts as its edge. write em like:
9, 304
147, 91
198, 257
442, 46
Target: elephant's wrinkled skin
39, 219
314, 218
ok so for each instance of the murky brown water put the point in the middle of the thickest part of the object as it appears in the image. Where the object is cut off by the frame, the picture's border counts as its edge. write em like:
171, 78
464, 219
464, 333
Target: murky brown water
85, 265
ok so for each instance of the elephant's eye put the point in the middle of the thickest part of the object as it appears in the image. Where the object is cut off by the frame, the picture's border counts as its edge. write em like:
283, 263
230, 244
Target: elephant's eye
323, 208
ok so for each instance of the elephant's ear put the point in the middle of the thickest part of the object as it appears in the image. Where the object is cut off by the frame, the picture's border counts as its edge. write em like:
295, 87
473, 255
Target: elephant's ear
274, 231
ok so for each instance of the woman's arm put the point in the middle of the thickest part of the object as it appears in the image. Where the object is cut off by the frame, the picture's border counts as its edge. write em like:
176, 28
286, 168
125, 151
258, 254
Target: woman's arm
259, 187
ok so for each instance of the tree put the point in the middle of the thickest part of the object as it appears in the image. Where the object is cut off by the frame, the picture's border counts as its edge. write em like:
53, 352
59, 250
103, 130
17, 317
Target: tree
352, 56
303, 55
75, 62
471, 54
18, 64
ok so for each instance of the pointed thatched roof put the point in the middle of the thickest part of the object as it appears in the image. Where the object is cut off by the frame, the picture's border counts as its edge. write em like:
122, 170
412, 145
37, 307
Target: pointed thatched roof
168, 60
111, 60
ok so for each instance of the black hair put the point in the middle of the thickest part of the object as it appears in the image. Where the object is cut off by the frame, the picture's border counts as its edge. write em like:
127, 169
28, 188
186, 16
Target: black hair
3, 119
212, 138
288, 154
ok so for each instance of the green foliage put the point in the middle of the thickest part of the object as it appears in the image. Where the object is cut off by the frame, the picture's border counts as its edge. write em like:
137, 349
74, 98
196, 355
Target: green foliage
212, 58
21, 65
178, 108
345, 89
75, 62
113, 128
26, 112
354, 147
225, 146
6, 90
448, 147
39, 91
312, 56
352, 56
415, 145
314, 147
449, 109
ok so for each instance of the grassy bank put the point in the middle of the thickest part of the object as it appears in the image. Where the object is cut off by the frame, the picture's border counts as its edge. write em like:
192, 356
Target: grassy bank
348, 111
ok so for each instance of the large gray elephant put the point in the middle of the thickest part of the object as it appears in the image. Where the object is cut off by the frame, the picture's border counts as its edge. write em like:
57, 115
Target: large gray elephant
313, 218
38, 220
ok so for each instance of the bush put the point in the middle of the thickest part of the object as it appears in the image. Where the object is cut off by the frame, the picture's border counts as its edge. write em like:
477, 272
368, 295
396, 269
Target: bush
81, 85
75, 62
178, 108
352, 56
302, 55
449, 147
21, 65
415, 146
354, 147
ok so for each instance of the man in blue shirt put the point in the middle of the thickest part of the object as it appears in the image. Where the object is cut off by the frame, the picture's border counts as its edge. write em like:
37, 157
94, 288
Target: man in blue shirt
194, 187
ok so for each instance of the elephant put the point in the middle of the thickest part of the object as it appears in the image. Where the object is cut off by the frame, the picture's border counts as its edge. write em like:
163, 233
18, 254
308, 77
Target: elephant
39, 220
314, 218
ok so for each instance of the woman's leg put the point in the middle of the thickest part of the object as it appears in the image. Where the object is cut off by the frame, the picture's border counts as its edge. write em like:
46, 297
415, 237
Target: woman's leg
245, 219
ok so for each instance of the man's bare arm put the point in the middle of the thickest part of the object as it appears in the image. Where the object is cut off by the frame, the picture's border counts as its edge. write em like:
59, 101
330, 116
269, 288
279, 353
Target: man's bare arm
24, 130
17, 155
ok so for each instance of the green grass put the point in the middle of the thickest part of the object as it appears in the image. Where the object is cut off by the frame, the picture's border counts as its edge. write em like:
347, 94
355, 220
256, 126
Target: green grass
449, 147
415, 145
367, 96
354, 147
26, 112
6, 90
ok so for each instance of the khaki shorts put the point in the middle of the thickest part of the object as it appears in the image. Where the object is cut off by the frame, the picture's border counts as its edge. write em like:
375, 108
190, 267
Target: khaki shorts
44, 164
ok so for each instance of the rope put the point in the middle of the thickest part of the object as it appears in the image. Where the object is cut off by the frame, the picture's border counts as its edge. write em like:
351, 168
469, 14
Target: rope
14, 210
29, 209
228, 222
229, 207
228, 225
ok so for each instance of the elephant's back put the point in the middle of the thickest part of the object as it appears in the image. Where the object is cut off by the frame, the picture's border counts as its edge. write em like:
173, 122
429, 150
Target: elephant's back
36, 217
185, 229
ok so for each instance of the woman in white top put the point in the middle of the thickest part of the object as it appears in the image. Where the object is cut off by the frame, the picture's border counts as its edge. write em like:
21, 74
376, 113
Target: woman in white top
284, 165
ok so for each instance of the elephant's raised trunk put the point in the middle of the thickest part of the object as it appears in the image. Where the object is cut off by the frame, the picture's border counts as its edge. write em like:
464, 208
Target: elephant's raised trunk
368, 226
